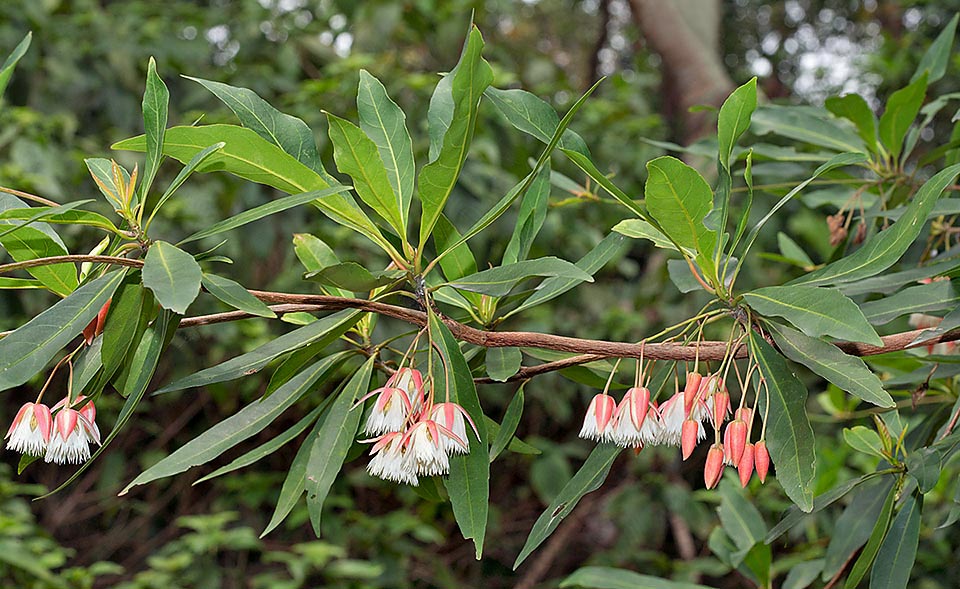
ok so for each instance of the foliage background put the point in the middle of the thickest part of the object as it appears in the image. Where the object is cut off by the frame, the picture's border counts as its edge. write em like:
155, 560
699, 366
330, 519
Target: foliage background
79, 89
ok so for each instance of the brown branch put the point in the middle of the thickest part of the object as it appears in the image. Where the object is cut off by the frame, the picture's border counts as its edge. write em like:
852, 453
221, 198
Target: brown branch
115, 260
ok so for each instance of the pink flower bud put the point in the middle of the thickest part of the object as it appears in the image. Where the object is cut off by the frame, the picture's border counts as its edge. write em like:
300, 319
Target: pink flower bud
30, 431
688, 437
721, 406
690, 389
713, 468
597, 424
745, 467
761, 458
734, 440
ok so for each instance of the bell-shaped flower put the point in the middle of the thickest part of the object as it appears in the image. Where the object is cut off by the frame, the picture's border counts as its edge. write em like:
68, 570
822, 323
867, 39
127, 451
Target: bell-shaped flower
598, 423
453, 418
70, 438
389, 460
425, 454
30, 431
673, 412
631, 417
410, 381
389, 412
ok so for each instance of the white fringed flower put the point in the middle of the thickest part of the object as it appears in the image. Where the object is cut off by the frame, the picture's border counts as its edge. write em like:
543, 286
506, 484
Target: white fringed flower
30, 431
598, 423
70, 438
630, 416
389, 460
672, 414
452, 419
425, 452
389, 413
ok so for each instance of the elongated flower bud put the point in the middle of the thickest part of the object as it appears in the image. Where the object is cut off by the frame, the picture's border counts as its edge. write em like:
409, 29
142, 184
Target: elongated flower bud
598, 423
690, 389
713, 468
745, 467
734, 440
761, 458
688, 437
721, 407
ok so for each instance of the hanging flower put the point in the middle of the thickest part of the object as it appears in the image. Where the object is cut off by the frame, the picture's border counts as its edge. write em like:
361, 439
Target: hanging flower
389, 460
673, 414
425, 453
410, 381
598, 423
453, 418
70, 438
30, 431
389, 413
630, 418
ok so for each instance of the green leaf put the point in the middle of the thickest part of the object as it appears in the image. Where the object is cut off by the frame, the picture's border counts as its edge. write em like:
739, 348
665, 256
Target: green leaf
511, 419
863, 439
30, 347
6, 70
734, 119
240, 426
816, 311
38, 240
789, 435
61, 215
812, 125
156, 99
502, 363
854, 526
383, 122
740, 519
530, 114
803, 574
468, 81
848, 372
295, 481
120, 328
17, 554
459, 260
333, 441
589, 478
533, 212
935, 60
500, 280
173, 276
599, 577
195, 162
236, 295
902, 108
469, 482
791, 250
516, 445
923, 298
679, 198
856, 110
10, 283
897, 553
265, 210
793, 515
640, 229
142, 366
285, 131
253, 158
358, 157
869, 551
591, 263
883, 249
353, 276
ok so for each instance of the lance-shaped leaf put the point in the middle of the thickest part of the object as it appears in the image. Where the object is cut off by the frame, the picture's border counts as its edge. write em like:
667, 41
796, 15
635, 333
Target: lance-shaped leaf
533, 212
855, 109
679, 198
38, 240
235, 295
640, 229
469, 482
6, 70
293, 484
884, 249
61, 215
855, 524
358, 157
601, 577
156, 99
793, 515
816, 311
529, 113
500, 280
934, 61
173, 276
903, 106
734, 119
326, 330
869, 552
29, 348
240, 426
588, 479
923, 298
827, 360
353, 276
121, 327
789, 434
383, 122
808, 125
249, 156
511, 419
285, 131
898, 552
468, 81
740, 519
863, 439
333, 441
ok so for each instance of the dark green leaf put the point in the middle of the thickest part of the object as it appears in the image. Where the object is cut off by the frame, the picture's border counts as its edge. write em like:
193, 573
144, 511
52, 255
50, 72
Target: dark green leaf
506, 431
502, 363
459, 260
589, 478
923, 298
294, 484
740, 519
935, 60
236, 295
803, 574
327, 329
469, 482
897, 553
869, 551
855, 109
173, 276
789, 435
807, 124
598, 577
120, 328
793, 516
500, 280
156, 99
883, 249
6, 70
383, 122
530, 114
244, 424
353, 276
816, 311
533, 212
734, 119
333, 441
855, 524
30, 347
902, 108
468, 81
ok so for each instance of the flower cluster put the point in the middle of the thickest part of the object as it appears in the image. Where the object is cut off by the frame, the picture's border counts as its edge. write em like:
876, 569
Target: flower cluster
637, 421
415, 436
62, 434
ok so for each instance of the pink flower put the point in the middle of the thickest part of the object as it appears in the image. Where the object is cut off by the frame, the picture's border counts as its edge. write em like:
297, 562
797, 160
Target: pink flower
30, 431
453, 418
673, 414
410, 381
389, 413
425, 453
71, 437
598, 423
389, 460
630, 419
